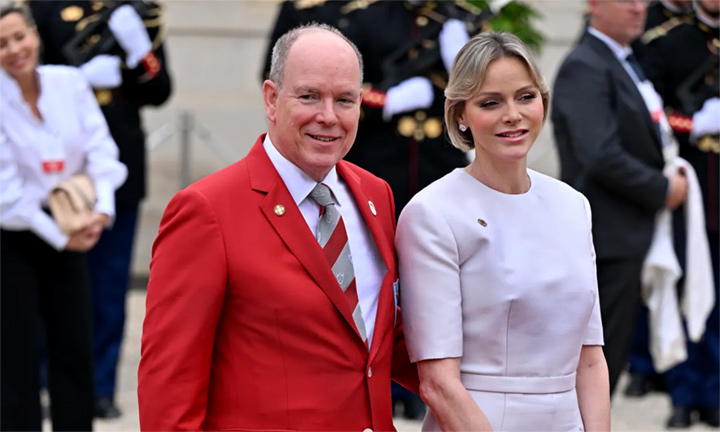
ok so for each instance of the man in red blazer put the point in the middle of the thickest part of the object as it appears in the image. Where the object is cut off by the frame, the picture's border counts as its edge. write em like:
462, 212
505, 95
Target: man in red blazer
247, 325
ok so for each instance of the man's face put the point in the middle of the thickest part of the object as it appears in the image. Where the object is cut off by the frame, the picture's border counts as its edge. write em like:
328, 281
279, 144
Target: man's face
622, 20
313, 117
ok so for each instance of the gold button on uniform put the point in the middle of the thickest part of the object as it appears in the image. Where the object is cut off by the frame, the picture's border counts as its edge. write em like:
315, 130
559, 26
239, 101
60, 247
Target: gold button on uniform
104, 97
279, 209
406, 126
72, 13
432, 128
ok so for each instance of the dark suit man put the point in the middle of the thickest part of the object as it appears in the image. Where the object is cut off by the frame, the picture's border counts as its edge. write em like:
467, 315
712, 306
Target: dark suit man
259, 317
611, 150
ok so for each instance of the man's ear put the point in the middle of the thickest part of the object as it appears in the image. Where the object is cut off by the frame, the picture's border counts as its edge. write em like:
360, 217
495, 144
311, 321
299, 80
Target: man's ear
592, 4
270, 95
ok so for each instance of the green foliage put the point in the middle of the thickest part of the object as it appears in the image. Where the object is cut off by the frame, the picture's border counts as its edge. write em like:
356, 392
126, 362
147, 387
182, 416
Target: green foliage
517, 18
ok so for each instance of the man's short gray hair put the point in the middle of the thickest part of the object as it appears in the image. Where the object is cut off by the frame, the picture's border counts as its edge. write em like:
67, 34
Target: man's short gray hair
282, 48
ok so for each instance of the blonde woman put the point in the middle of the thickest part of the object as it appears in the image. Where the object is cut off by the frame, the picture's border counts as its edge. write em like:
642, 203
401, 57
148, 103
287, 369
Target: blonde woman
497, 266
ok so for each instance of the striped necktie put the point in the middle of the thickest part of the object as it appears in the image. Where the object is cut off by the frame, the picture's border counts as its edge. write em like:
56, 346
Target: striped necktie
332, 236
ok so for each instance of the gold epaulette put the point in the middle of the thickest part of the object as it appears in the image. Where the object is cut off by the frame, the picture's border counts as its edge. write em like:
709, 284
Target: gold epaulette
307, 4
356, 5
464, 4
659, 31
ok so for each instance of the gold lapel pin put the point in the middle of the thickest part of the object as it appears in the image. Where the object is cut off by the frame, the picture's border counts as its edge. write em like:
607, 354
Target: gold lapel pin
482, 222
372, 208
279, 209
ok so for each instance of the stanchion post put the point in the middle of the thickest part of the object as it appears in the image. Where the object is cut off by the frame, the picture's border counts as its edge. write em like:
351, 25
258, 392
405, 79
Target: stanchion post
185, 130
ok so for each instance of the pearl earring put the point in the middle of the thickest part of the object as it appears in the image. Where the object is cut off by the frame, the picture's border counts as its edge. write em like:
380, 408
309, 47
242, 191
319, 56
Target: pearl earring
462, 127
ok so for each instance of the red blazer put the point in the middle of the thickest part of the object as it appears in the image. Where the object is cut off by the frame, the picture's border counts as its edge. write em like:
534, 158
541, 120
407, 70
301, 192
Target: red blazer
246, 327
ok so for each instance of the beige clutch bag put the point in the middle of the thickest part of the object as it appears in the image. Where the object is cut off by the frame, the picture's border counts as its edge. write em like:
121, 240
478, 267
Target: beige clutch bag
71, 202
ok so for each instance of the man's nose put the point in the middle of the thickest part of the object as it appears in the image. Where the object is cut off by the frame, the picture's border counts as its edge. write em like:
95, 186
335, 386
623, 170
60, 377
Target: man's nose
327, 113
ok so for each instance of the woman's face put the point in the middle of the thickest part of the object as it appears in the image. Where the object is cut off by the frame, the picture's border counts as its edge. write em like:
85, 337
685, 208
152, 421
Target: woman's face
19, 45
506, 115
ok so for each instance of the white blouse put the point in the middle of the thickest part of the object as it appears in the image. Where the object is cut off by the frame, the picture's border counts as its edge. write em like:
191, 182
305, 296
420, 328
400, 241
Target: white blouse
35, 154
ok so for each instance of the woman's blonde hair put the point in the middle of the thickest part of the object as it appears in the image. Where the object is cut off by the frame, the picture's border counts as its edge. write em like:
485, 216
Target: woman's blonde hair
468, 72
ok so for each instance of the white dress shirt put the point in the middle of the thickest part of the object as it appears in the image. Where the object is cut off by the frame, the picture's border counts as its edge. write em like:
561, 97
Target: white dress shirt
368, 265
72, 131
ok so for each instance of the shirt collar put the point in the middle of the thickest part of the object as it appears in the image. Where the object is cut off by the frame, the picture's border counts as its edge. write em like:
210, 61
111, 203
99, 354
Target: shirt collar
704, 18
9, 87
298, 183
620, 52
675, 9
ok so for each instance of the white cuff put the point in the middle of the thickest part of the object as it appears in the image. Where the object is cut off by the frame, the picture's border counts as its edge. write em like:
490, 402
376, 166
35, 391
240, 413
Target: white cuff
46, 228
105, 200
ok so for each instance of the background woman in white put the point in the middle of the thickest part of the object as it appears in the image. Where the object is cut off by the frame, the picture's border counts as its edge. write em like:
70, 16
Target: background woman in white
497, 270
50, 129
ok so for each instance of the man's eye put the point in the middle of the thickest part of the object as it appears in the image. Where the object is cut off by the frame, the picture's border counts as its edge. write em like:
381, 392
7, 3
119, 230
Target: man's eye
307, 97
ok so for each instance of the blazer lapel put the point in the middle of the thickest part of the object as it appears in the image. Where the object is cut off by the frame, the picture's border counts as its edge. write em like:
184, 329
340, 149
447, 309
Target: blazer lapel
619, 71
386, 303
285, 217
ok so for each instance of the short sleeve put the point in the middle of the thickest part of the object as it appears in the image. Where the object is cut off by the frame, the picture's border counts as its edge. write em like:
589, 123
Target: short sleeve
430, 292
594, 332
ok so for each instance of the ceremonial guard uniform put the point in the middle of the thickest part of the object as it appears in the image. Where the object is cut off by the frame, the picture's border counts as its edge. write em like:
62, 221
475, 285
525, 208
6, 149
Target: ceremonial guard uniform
660, 12
146, 83
662, 17
682, 64
408, 149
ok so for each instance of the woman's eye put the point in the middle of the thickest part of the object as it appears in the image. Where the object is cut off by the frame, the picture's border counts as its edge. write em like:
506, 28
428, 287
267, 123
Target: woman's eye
528, 96
488, 104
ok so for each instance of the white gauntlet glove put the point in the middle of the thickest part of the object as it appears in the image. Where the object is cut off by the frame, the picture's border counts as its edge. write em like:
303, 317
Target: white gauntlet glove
707, 120
103, 71
412, 94
129, 30
452, 37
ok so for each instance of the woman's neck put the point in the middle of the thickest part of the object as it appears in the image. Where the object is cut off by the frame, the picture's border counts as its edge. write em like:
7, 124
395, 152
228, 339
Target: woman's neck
507, 177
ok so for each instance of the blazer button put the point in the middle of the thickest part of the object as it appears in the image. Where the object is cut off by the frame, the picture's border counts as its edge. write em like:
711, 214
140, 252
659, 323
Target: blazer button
367, 430
369, 372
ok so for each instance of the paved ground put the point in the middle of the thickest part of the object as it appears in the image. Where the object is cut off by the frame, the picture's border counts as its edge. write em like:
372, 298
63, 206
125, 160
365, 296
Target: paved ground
646, 414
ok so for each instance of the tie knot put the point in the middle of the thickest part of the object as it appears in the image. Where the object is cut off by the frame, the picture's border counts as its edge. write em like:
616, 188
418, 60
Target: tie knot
321, 194
635, 65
